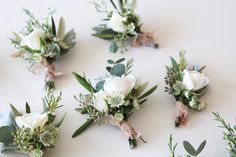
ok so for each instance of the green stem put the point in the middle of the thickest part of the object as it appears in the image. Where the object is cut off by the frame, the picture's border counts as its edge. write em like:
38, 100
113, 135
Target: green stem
83, 127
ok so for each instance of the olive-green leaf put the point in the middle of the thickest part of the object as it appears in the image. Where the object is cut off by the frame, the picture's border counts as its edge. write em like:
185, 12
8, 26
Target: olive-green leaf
83, 127
104, 36
58, 124
84, 83
201, 147
27, 108
120, 60
6, 134
61, 29
189, 148
150, 91
140, 90
51, 25
15, 111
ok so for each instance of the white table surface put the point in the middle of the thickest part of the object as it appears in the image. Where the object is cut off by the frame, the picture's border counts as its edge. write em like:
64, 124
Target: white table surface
206, 28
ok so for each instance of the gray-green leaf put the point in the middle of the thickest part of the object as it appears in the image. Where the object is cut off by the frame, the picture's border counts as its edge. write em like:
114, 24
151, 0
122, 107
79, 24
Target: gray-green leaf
118, 70
6, 134
113, 47
201, 147
189, 148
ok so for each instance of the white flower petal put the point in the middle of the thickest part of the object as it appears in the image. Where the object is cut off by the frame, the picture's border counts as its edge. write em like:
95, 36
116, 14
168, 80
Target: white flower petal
122, 85
116, 23
33, 40
32, 120
99, 101
194, 80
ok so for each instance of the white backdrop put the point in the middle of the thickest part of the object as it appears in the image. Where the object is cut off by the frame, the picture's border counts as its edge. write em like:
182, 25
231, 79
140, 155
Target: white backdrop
206, 28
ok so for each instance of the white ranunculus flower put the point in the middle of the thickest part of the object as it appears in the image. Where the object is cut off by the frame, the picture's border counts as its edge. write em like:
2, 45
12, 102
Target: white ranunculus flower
32, 120
122, 85
194, 80
99, 101
116, 23
33, 40
130, 4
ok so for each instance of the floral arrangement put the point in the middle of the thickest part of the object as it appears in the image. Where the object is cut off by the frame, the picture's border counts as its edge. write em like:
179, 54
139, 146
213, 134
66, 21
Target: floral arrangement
42, 43
31, 133
229, 136
113, 99
186, 84
192, 152
122, 25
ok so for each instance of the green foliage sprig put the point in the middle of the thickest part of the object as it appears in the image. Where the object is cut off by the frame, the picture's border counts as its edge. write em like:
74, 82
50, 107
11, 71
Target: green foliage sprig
192, 152
229, 135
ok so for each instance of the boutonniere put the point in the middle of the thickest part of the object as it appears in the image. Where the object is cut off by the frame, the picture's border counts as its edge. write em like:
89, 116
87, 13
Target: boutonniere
28, 132
192, 152
113, 99
122, 25
41, 43
186, 84
229, 135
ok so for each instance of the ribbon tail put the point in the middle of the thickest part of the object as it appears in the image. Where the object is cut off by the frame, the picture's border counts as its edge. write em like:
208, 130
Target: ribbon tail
181, 114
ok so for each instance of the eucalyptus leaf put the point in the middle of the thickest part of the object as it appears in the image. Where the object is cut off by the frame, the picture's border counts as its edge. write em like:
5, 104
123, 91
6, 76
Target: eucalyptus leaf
84, 83
108, 69
99, 85
110, 61
235, 127
6, 134
189, 148
113, 47
118, 70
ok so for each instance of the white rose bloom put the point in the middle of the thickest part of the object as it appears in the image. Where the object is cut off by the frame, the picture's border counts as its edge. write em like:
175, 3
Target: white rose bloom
194, 80
116, 23
33, 40
130, 4
99, 101
32, 120
122, 85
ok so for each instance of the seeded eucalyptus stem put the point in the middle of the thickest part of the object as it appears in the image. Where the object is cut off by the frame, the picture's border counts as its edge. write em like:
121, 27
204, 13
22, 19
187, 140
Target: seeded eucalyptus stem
83, 128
